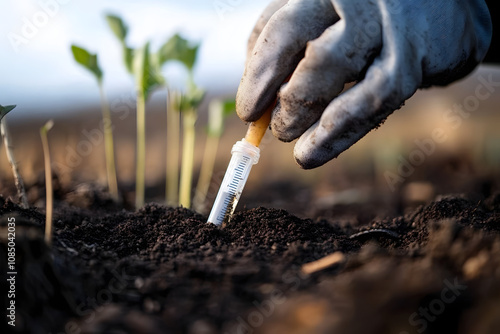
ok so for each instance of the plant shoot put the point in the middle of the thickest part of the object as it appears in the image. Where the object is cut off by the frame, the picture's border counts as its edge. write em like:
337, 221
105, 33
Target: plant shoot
189, 109
18, 180
178, 49
48, 181
173, 147
89, 61
145, 69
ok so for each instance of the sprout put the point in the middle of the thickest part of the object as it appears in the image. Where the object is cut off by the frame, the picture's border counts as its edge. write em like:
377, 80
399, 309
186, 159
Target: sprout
189, 111
48, 181
173, 147
18, 180
177, 49
218, 110
145, 69
89, 61
147, 80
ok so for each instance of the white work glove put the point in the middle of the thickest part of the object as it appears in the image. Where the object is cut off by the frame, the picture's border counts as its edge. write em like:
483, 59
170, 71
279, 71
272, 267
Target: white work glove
390, 47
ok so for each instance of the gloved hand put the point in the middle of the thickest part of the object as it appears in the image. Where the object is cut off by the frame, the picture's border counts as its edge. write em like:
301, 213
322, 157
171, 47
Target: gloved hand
389, 47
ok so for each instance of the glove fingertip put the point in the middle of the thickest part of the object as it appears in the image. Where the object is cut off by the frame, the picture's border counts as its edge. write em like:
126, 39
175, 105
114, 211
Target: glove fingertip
312, 151
252, 103
245, 108
304, 158
302, 163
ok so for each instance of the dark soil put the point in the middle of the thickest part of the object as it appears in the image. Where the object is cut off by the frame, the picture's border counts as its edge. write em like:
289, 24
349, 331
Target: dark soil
164, 270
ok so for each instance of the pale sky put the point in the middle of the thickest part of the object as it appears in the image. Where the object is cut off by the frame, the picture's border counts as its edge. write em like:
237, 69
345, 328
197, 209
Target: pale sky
37, 68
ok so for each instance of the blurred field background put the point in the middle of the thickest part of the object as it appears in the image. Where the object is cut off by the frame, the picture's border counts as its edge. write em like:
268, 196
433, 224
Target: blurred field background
468, 160
470, 153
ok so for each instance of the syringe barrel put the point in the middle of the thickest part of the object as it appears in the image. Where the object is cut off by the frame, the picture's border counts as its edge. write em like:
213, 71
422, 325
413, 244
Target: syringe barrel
244, 156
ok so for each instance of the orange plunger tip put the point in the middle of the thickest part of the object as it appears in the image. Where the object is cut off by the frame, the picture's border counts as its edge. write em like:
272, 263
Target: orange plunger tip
257, 130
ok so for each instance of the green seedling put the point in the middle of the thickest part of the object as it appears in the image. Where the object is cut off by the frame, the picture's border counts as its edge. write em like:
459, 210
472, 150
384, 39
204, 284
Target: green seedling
145, 69
48, 181
18, 180
90, 62
178, 49
190, 102
147, 80
173, 147
218, 110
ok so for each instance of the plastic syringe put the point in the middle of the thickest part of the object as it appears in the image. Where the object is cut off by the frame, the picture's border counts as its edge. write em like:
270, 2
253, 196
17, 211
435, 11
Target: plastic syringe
245, 154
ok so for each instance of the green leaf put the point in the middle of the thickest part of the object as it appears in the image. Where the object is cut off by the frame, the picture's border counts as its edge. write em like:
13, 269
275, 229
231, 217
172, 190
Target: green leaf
189, 57
4, 110
147, 75
178, 48
120, 30
87, 60
128, 58
117, 26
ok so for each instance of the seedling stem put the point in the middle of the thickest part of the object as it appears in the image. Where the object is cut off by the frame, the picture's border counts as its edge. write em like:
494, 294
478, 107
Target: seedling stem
109, 146
48, 181
189, 119
90, 62
141, 150
173, 147
18, 180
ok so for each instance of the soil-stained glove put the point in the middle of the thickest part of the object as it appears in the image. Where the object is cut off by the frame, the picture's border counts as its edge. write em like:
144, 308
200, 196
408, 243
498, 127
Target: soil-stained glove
389, 47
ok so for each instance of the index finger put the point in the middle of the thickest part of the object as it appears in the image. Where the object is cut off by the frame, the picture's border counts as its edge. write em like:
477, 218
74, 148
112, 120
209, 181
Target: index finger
278, 50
